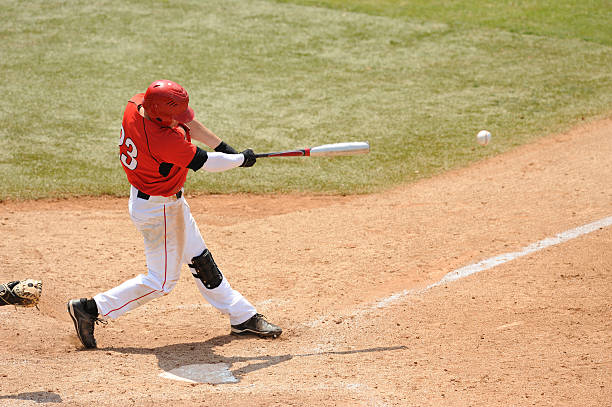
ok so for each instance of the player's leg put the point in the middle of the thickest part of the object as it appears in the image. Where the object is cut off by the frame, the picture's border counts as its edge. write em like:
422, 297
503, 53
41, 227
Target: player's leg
162, 227
215, 288
219, 292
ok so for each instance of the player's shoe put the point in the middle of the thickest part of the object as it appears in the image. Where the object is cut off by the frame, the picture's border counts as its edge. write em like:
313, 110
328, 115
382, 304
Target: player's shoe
257, 325
84, 321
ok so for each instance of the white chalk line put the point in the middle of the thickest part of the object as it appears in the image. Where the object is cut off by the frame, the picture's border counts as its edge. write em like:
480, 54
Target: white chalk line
503, 258
483, 265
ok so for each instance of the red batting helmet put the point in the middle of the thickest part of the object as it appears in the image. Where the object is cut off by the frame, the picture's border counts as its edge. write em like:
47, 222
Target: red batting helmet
165, 101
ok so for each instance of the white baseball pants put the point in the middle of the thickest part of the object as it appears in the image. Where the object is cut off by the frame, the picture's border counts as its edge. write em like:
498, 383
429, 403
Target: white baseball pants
171, 239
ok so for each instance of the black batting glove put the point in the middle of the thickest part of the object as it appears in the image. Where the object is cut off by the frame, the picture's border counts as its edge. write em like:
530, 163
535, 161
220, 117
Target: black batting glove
225, 148
249, 158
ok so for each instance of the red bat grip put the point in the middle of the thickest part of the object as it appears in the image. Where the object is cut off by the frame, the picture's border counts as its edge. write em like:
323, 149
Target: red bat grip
292, 153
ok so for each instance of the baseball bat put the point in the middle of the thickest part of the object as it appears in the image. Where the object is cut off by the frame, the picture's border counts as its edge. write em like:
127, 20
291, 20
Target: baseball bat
325, 150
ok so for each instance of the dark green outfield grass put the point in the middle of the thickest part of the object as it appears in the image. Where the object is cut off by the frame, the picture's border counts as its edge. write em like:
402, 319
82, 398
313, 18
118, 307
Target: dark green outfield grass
416, 79
589, 20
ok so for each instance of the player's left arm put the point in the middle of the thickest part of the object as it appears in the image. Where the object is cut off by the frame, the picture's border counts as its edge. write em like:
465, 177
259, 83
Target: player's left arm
203, 134
175, 149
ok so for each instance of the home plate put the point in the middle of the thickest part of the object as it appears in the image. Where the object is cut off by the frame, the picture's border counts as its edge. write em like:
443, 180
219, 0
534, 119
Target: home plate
215, 373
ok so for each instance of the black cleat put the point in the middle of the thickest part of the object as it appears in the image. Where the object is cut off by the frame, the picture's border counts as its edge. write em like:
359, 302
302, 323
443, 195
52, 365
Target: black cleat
257, 325
83, 322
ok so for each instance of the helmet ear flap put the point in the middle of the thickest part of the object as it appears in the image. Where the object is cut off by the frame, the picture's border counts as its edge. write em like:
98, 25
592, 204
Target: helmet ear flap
153, 111
155, 108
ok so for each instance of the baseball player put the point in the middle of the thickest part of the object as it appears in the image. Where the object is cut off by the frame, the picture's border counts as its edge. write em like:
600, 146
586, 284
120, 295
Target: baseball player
156, 152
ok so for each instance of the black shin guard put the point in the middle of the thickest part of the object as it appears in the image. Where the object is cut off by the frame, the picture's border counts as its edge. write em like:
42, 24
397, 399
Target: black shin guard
205, 268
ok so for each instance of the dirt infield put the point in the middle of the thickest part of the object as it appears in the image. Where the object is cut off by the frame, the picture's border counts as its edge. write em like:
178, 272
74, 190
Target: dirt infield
344, 277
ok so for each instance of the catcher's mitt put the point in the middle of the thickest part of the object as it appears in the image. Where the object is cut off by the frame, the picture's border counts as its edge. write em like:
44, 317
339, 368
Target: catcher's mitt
23, 293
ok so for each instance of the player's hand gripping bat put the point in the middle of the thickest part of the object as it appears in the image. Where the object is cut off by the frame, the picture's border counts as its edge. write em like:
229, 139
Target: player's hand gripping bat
326, 150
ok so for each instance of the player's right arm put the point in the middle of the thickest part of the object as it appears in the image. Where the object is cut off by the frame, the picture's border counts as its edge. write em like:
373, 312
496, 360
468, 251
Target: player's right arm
203, 134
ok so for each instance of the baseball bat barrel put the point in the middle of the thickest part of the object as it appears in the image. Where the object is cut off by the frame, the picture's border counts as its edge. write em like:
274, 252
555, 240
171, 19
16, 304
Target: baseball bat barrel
325, 150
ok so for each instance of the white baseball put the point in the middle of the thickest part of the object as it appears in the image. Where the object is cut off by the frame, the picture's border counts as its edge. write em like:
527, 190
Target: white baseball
483, 137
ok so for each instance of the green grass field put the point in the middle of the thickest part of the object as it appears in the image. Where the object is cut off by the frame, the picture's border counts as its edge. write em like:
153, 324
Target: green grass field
416, 79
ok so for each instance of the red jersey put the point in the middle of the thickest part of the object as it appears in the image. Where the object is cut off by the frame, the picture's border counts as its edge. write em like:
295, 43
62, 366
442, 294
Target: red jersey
154, 158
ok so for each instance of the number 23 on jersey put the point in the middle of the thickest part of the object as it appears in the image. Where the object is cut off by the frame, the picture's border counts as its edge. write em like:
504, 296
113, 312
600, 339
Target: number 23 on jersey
129, 158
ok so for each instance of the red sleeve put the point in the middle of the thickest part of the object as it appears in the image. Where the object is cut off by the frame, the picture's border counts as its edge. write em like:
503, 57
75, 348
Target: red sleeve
137, 99
173, 148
